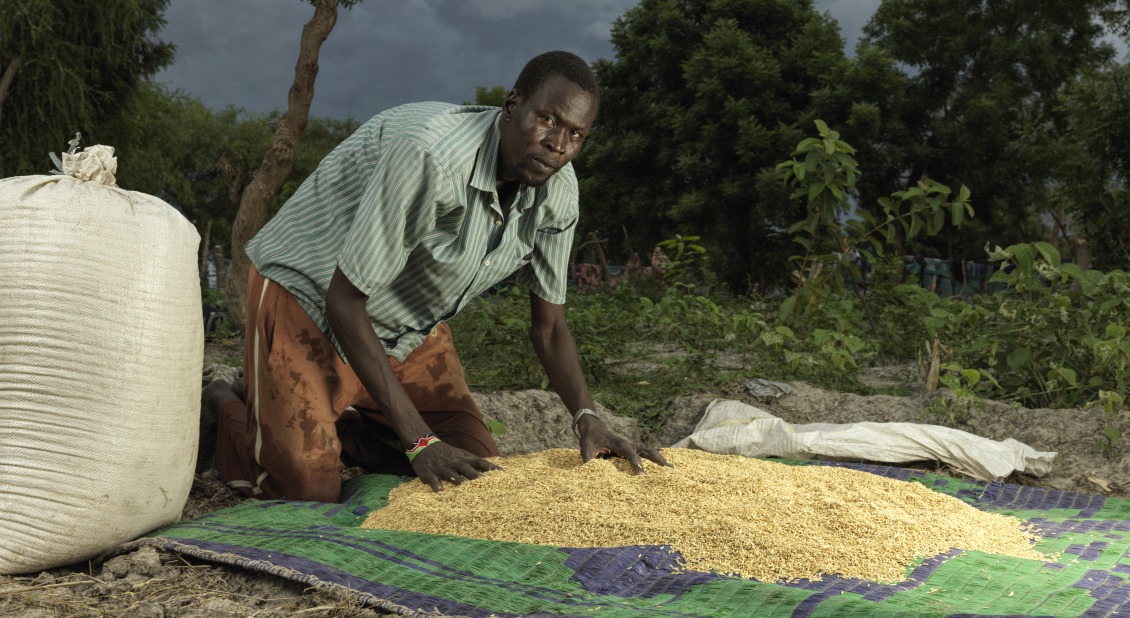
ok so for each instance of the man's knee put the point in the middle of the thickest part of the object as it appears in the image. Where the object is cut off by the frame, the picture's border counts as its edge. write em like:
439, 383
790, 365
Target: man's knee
315, 479
311, 489
479, 442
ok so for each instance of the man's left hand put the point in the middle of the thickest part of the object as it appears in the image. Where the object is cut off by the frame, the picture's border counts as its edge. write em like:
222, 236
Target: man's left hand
597, 440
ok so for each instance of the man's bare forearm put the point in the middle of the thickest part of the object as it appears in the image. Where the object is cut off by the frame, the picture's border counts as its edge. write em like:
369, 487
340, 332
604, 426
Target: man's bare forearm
345, 310
554, 345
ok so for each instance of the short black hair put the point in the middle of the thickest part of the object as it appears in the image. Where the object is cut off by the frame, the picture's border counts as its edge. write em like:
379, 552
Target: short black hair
563, 63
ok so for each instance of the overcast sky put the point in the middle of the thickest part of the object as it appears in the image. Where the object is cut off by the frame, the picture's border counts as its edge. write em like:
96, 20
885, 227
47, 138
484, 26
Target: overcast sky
383, 53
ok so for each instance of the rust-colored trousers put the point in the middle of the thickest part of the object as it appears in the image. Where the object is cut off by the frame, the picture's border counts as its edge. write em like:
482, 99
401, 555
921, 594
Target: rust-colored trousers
307, 414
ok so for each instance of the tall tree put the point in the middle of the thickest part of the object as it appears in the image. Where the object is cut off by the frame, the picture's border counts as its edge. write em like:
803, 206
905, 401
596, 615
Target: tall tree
173, 146
703, 99
867, 104
258, 190
65, 67
984, 80
1093, 159
169, 144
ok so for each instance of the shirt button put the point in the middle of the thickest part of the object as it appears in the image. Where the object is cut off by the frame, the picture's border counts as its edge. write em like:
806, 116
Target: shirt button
498, 221
486, 262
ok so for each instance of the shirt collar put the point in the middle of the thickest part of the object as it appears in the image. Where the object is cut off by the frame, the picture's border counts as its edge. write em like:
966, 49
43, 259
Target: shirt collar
485, 174
486, 162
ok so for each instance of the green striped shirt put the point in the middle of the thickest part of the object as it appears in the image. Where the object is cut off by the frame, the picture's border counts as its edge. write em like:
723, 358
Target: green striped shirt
407, 208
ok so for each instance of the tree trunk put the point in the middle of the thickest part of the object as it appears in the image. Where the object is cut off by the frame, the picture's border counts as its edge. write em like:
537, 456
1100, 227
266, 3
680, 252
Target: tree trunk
221, 272
5, 83
237, 174
205, 242
279, 160
1082, 258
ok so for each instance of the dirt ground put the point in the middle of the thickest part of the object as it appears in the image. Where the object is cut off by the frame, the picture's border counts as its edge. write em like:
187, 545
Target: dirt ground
150, 583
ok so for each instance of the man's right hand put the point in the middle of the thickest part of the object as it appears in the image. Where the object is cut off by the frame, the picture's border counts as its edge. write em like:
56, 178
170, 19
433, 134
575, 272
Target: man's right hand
349, 321
440, 462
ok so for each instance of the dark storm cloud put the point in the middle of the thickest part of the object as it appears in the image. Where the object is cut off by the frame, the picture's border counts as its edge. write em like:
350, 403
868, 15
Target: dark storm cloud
852, 16
384, 53
233, 52
380, 53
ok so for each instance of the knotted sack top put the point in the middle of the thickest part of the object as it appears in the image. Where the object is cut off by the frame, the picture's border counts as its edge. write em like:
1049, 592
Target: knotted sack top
94, 164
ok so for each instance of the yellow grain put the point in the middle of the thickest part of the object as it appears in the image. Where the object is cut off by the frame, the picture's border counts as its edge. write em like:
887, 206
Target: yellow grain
731, 514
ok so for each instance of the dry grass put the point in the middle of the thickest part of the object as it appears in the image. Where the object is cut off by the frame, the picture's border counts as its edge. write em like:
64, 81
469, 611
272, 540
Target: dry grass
178, 588
151, 582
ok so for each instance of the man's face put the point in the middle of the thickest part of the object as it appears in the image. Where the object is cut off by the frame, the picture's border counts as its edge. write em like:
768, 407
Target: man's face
543, 131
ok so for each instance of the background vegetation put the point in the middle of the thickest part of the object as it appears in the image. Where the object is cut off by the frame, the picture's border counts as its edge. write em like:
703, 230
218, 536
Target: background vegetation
760, 243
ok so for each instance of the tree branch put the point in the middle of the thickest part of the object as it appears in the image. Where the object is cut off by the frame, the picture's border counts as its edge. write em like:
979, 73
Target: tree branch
7, 78
6, 82
279, 160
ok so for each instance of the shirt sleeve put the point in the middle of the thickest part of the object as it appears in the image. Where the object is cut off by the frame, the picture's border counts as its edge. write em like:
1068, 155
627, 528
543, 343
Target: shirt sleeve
396, 210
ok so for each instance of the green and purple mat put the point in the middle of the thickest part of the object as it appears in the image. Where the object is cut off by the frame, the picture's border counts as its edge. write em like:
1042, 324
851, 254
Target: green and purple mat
323, 545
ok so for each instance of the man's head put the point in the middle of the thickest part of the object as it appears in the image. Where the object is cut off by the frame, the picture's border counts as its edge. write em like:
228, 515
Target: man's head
546, 117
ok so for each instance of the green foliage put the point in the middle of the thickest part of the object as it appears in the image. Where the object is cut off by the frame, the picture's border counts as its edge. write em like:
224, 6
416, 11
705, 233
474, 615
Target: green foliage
702, 93
963, 403
699, 98
1092, 156
496, 428
225, 331
613, 330
640, 353
492, 335
908, 314
822, 173
222, 330
169, 144
73, 64
212, 296
685, 262
981, 101
493, 97
682, 251
696, 102
1110, 404
1055, 336
1037, 343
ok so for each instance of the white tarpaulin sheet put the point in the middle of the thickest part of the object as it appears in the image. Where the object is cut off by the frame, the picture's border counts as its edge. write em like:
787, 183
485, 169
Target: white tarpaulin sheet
735, 428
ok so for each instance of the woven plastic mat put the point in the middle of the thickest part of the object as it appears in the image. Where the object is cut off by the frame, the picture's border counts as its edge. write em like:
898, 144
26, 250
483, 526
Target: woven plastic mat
323, 545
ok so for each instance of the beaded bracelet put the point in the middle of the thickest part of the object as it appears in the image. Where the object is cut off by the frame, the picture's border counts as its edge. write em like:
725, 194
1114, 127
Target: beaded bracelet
421, 444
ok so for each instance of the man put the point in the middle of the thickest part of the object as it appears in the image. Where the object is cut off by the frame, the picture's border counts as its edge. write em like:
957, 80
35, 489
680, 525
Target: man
424, 208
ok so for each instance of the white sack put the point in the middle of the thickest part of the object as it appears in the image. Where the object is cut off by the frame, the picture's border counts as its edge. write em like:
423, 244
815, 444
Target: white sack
101, 347
735, 428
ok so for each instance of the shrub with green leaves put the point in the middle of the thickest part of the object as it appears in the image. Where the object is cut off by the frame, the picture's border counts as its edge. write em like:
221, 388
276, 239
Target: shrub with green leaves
822, 172
1054, 335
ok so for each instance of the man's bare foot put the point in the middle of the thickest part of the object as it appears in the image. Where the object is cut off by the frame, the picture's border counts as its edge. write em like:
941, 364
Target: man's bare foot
237, 386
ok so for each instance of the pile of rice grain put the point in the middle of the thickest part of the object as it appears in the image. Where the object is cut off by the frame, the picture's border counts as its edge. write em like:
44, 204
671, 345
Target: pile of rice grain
725, 513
